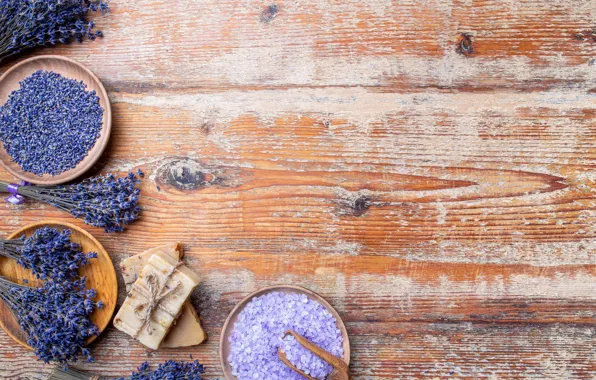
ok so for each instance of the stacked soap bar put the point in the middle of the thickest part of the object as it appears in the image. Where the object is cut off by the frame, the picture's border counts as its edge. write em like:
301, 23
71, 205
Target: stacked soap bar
187, 330
156, 299
132, 267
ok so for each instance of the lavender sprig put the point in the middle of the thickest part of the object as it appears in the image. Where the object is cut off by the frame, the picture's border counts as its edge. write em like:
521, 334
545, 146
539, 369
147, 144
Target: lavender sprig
48, 253
169, 370
29, 23
102, 201
55, 317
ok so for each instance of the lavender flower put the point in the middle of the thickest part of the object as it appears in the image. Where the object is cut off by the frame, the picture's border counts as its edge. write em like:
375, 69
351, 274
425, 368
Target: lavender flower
170, 370
29, 23
48, 253
55, 317
102, 201
49, 124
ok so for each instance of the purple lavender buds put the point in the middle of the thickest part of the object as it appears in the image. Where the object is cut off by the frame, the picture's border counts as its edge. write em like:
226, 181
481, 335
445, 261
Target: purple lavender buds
28, 23
102, 201
55, 317
169, 370
48, 253
50, 123
260, 329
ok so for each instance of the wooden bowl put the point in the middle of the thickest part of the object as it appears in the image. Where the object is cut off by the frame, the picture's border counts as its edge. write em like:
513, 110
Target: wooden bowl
69, 69
100, 273
224, 343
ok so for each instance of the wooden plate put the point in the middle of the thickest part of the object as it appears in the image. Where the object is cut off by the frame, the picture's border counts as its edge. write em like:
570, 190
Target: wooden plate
69, 69
100, 275
224, 343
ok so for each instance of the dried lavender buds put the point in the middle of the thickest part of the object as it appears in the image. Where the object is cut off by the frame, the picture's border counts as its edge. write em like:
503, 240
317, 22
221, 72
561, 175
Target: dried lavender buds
260, 329
169, 370
50, 123
48, 253
102, 201
28, 23
55, 317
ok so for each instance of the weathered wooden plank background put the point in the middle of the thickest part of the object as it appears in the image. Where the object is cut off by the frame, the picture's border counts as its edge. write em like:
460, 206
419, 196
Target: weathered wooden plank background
427, 166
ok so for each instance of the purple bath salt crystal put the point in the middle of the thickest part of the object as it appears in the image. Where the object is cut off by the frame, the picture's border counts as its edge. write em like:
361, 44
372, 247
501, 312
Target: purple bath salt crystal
260, 330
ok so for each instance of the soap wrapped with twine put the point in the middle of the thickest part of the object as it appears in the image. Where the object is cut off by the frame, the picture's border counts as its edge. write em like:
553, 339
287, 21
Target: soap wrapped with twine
156, 299
155, 293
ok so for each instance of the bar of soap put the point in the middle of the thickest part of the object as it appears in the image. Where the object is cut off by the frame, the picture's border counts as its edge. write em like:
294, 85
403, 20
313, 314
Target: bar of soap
169, 307
187, 330
132, 267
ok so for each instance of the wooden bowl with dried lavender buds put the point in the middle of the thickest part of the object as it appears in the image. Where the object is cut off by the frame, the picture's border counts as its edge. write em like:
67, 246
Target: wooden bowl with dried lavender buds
69, 69
100, 273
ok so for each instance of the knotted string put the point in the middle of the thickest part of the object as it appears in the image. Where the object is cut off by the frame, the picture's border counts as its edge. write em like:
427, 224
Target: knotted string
15, 198
157, 292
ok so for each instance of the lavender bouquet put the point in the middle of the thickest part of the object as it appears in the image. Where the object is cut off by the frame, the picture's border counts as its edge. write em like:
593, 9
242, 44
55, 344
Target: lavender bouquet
102, 201
29, 23
55, 317
48, 253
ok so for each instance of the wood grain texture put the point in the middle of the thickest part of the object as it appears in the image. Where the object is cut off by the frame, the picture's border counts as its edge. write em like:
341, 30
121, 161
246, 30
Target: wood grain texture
426, 166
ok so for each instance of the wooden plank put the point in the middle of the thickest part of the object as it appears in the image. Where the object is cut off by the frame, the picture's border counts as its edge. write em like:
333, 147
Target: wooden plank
406, 319
436, 351
518, 188
405, 45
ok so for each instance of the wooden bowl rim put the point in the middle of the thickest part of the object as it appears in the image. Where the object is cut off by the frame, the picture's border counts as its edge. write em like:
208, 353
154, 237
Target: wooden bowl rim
309, 293
106, 129
101, 250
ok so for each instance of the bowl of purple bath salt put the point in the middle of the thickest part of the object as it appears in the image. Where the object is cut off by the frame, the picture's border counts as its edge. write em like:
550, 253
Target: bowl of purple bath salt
255, 330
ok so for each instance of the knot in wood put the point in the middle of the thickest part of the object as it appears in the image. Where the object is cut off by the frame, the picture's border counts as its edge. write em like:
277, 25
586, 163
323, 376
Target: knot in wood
464, 44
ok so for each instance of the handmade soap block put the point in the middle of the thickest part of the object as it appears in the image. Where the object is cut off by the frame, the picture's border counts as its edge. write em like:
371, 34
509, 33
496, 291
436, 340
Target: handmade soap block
133, 266
187, 329
156, 299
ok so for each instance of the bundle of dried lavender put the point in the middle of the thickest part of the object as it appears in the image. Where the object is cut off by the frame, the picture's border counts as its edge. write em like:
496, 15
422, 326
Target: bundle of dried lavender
102, 201
55, 317
28, 23
168, 370
48, 253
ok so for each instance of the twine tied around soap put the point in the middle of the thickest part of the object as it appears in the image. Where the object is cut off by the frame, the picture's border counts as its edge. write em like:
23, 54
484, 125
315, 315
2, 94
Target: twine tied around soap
157, 292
